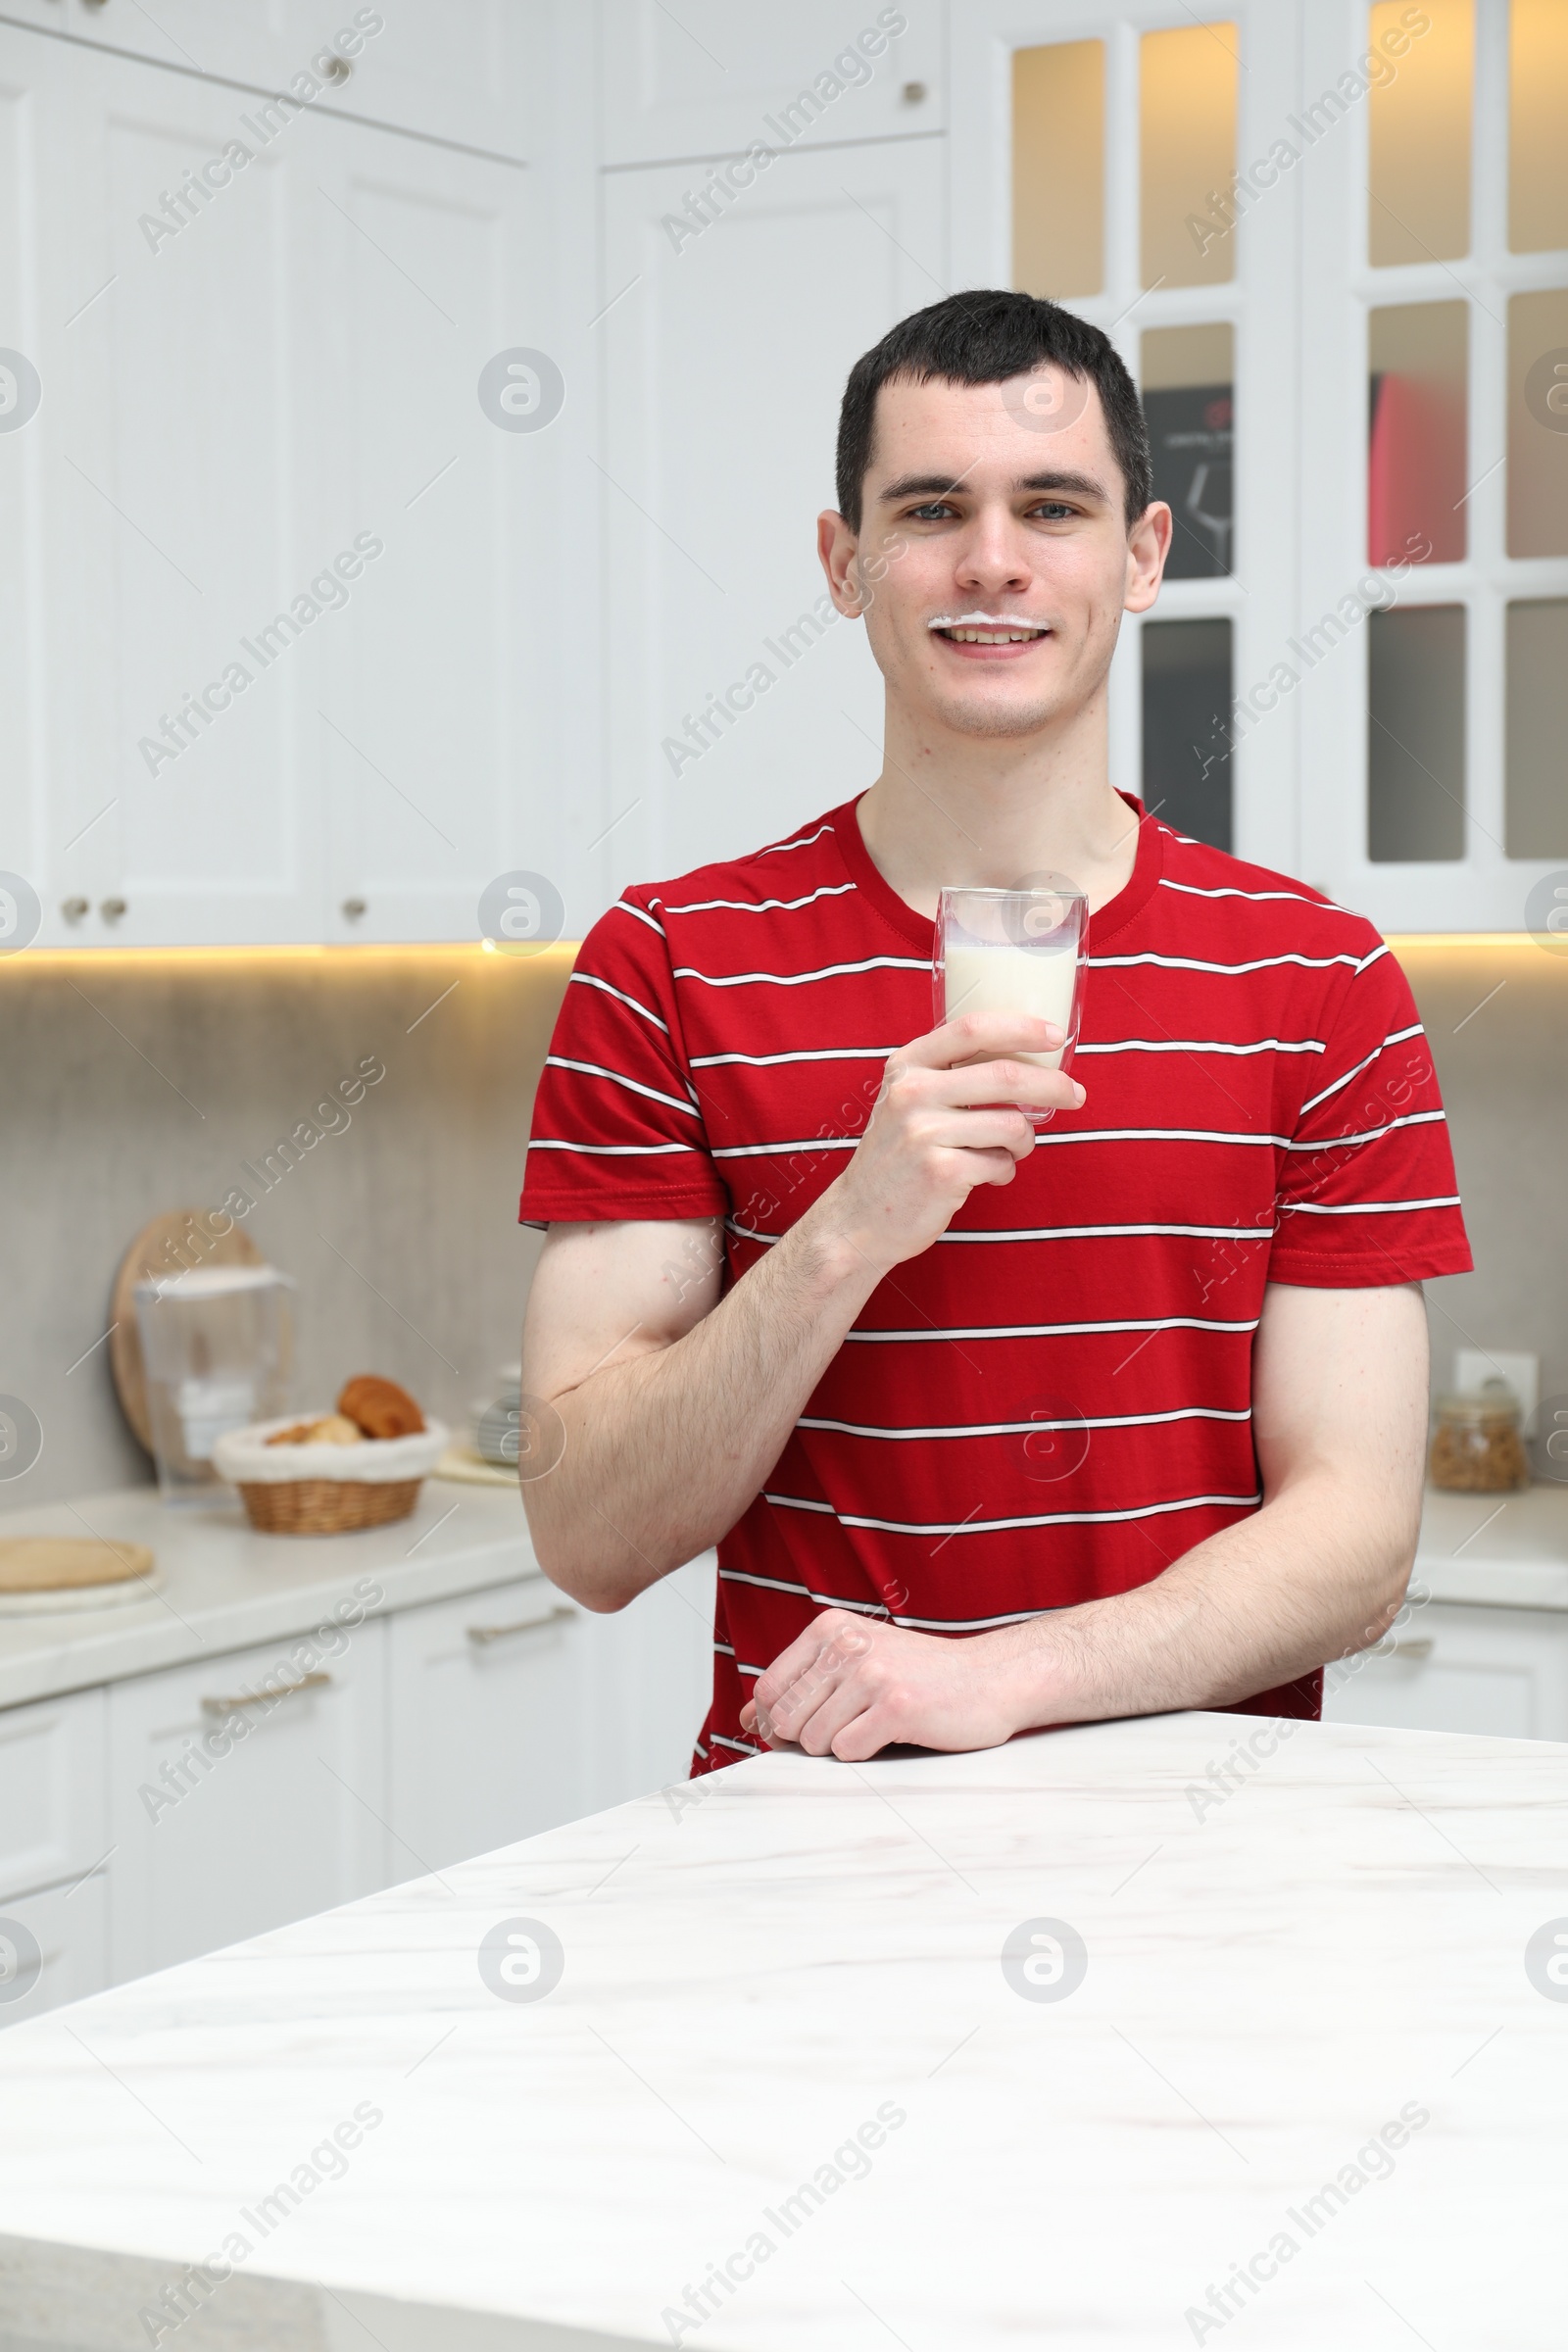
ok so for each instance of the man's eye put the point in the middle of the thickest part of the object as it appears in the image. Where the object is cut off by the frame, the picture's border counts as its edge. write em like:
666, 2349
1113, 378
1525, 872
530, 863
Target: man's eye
1052, 510
933, 511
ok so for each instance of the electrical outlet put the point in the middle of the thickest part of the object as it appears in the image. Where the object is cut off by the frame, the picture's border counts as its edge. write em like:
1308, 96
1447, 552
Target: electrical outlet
1473, 1366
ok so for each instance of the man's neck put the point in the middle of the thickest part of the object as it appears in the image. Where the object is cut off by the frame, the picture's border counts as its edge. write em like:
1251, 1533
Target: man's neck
951, 810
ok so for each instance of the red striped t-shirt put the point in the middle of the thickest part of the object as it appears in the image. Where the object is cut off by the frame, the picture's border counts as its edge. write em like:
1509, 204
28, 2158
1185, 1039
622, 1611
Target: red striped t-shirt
1054, 1402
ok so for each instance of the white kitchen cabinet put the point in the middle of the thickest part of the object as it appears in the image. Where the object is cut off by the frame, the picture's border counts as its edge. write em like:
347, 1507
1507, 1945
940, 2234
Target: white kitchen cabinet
650, 1679
710, 79
1466, 863
292, 1819
486, 1698
1497, 1671
61, 1936
52, 1811
458, 72
439, 720
280, 657
740, 340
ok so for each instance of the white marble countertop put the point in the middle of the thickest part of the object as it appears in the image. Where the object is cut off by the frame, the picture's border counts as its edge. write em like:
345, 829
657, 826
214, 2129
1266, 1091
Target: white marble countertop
225, 1586
784, 2043
1502, 1550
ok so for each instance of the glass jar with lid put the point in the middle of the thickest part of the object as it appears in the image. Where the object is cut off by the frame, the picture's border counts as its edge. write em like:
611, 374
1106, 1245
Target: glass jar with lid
1476, 1447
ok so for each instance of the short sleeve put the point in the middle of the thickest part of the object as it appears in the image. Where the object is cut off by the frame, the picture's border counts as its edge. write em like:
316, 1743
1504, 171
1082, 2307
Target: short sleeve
617, 1131
1367, 1194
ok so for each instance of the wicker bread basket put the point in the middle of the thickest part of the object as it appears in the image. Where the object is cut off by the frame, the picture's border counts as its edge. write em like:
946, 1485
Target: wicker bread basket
326, 1490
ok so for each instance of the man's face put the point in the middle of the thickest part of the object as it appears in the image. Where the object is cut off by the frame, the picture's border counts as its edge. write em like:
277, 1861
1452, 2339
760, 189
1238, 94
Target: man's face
999, 505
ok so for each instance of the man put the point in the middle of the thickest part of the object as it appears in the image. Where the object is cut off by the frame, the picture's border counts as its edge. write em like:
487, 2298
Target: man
993, 1428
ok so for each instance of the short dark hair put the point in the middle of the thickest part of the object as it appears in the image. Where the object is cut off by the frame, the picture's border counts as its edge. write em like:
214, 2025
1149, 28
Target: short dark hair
987, 337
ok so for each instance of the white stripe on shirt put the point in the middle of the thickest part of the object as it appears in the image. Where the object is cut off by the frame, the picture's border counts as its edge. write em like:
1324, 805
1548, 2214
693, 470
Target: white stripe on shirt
1360, 1209
1087, 1135
767, 1061
829, 890
879, 1608
625, 907
987, 1526
594, 1069
554, 1143
828, 971
1091, 1233
1370, 1135
1051, 1331
1202, 1044
1070, 1233
592, 980
1395, 1037
1258, 964
1012, 1429
775, 848
1191, 890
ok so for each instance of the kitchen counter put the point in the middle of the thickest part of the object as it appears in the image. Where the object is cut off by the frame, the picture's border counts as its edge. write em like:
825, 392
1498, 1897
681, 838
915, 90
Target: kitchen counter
229, 1586
788, 2095
1502, 1550
226, 1586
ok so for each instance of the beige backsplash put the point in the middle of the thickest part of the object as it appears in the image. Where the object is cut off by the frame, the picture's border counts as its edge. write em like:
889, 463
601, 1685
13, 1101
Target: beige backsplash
135, 1085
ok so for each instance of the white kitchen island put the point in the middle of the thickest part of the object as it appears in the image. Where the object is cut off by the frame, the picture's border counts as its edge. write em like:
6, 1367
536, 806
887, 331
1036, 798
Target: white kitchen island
1267, 2066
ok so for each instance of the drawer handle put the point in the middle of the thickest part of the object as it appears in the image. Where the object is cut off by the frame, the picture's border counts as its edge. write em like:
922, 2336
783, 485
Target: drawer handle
1421, 1648
481, 1634
264, 1698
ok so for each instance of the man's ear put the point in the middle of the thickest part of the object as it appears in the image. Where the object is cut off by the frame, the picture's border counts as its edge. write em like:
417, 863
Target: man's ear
1147, 546
838, 549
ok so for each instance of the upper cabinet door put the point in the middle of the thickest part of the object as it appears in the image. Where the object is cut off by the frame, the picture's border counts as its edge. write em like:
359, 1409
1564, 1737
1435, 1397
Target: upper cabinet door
1435, 463
169, 776
712, 79
436, 449
742, 705
458, 70
287, 678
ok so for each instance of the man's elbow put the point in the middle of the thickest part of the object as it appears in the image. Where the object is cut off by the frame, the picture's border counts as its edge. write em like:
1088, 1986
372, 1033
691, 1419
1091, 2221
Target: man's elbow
578, 1569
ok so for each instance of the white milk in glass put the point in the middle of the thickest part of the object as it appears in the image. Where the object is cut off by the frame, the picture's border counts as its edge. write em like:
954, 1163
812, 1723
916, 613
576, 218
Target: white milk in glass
985, 976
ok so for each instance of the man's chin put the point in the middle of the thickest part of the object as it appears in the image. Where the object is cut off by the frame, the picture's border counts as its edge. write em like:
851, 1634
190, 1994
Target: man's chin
996, 717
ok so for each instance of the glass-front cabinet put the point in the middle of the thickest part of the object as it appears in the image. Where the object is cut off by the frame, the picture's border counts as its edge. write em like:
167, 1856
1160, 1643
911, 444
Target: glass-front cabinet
1331, 242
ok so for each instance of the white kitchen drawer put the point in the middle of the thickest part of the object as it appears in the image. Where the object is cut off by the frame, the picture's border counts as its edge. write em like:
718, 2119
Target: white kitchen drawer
52, 1813
292, 1819
1501, 1673
486, 1700
62, 1935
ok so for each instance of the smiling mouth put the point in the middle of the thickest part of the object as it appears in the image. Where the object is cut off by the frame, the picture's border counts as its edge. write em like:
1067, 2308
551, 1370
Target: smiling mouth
983, 629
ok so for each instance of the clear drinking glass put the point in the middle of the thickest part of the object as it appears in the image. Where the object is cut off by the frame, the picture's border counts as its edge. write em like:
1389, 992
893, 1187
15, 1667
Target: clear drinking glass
1015, 950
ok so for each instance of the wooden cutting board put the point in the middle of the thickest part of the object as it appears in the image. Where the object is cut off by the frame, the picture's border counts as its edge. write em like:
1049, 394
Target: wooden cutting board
179, 1238
67, 1563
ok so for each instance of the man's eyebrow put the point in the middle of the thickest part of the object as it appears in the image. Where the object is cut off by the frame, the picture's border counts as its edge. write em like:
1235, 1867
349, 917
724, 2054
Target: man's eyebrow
942, 485
922, 485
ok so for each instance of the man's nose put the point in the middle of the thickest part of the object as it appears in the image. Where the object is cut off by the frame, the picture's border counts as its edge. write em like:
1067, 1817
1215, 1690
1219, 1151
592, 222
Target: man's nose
995, 555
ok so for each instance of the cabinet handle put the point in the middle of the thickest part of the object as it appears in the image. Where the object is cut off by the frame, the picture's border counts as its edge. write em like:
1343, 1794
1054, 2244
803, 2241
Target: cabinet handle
74, 909
111, 910
481, 1634
1421, 1648
264, 1698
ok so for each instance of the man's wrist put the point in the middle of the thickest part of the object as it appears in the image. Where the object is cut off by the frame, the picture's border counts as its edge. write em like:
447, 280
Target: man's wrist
837, 1255
1039, 1669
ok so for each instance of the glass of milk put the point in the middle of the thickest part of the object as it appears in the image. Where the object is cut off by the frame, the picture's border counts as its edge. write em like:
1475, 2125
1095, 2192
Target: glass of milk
1015, 950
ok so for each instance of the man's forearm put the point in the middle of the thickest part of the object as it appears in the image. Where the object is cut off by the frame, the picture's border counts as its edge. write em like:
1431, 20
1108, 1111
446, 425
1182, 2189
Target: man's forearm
663, 1451
1316, 1574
